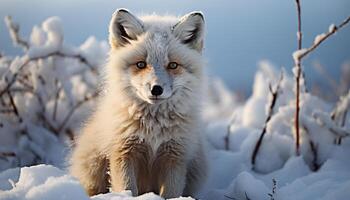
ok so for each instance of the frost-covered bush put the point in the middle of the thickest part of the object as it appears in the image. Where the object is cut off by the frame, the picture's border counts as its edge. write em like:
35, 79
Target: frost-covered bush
45, 94
319, 121
219, 102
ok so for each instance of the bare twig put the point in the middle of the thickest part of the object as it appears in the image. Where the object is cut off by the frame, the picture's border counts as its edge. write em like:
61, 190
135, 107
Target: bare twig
79, 57
228, 197
327, 122
6, 111
313, 148
14, 77
298, 56
340, 113
58, 89
70, 135
274, 94
14, 33
299, 33
297, 81
342, 123
41, 114
47, 124
333, 29
339, 132
246, 196
233, 198
274, 188
28, 60
14, 107
8, 154
74, 108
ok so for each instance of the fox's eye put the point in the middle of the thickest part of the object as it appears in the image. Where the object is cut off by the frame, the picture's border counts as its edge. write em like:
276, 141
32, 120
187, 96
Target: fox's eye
141, 64
173, 65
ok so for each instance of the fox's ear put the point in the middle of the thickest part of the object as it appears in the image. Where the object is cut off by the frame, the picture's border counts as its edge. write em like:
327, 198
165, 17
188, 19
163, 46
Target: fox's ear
190, 30
123, 27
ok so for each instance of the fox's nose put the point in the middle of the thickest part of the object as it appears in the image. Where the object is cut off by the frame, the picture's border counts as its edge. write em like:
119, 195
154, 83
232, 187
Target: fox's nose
157, 90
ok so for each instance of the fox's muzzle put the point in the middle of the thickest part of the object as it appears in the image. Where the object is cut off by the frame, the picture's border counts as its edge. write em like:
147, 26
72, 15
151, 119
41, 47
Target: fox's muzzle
157, 90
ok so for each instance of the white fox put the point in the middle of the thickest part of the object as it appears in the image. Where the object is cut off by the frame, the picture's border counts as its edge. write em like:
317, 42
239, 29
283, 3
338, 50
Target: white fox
146, 128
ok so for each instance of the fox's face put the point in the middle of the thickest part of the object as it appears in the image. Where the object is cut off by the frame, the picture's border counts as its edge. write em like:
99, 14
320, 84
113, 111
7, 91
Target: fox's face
157, 58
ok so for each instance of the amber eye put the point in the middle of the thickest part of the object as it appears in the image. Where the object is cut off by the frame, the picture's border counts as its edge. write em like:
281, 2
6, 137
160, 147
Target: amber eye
173, 65
141, 64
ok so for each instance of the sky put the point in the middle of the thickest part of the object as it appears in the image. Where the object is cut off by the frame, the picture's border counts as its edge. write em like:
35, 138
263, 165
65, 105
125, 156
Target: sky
240, 33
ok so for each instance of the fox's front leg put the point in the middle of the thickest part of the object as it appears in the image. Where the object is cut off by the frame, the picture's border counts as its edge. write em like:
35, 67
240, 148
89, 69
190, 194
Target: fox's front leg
122, 175
170, 167
127, 165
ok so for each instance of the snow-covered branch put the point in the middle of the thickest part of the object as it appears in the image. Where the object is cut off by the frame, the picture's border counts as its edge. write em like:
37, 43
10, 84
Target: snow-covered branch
14, 33
297, 80
274, 188
274, 95
45, 94
28, 59
313, 148
74, 108
340, 111
325, 120
299, 33
300, 54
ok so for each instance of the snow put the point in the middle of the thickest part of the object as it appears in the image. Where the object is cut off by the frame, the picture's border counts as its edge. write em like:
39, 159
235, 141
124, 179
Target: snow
241, 187
43, 182
38, 169
94, 50
299, 35
220, 102
319, 38
332, 28
328, 183
297, 54
53, 29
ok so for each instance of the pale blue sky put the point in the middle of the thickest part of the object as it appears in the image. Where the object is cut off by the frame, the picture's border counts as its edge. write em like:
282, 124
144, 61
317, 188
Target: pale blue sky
239, 32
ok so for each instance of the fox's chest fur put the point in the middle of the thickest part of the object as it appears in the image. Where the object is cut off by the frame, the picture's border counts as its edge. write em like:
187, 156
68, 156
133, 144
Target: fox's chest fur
151, 125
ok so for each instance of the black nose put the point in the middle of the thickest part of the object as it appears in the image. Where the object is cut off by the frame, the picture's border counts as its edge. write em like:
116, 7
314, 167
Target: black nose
157, 90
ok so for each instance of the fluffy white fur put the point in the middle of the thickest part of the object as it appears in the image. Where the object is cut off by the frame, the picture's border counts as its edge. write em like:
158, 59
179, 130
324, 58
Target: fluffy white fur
148, 145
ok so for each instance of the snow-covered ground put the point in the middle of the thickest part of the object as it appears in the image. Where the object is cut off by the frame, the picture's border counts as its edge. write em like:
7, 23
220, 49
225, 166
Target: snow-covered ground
322, 171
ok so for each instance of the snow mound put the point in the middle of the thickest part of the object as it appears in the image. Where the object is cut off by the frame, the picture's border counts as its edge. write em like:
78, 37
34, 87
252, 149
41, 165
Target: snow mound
42, 182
